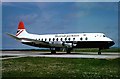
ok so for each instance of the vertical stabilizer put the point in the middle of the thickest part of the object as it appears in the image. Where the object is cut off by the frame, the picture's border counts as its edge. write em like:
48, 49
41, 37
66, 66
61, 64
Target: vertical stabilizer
21, 32
21, 25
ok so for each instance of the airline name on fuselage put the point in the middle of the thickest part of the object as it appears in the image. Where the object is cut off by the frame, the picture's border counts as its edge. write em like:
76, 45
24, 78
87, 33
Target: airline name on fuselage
66, 35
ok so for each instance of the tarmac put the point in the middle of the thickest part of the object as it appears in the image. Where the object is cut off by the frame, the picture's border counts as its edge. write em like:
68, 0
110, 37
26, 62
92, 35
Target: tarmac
19, 54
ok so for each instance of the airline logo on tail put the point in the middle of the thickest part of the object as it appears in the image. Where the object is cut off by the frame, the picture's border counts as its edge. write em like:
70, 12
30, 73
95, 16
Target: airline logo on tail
21, 28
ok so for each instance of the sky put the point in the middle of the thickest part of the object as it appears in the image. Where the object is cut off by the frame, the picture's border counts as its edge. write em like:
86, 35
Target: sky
60, 0
58, 17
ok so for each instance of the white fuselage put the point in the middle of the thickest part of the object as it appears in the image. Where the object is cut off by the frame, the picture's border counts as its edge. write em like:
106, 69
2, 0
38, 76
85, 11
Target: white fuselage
67, 41
70, 37
75, 40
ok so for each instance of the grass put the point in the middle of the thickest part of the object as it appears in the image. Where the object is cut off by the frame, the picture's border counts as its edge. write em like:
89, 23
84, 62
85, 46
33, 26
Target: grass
60, 68
96, 50
113, 49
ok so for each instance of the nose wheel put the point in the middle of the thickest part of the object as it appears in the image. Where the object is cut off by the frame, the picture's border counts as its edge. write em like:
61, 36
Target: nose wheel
99, 52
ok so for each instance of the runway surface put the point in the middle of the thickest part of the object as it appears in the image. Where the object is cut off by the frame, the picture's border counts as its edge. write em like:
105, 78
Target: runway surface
18, 54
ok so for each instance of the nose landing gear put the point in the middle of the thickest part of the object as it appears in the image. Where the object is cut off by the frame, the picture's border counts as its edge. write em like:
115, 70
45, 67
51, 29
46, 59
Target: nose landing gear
99, 52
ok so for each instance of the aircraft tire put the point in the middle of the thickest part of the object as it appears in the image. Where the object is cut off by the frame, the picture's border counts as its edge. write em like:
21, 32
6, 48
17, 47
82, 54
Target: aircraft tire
68, 50
53, 52
99, 53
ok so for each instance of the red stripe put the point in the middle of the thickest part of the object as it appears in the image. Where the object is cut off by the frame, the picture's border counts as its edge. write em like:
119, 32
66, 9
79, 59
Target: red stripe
19, 33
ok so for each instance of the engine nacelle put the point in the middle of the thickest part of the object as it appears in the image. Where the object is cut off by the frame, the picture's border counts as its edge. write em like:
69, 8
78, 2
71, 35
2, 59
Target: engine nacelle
68, 44
61, 44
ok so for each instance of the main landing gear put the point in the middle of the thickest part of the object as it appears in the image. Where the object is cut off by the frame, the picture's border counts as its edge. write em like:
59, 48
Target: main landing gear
53, 50
68, 50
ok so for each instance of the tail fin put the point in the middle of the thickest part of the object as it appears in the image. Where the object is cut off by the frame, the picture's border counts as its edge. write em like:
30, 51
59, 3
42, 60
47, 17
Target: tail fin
21, 25
21, 32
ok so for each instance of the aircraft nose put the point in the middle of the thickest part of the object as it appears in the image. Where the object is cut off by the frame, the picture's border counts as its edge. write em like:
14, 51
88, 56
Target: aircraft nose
111, 43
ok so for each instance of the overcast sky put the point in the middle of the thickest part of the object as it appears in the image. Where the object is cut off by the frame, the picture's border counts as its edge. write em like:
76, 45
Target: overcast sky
59, 17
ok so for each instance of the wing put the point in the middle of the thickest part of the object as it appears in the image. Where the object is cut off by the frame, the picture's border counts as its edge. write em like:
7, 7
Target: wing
28, 39
35, 41
48, 44
43, 43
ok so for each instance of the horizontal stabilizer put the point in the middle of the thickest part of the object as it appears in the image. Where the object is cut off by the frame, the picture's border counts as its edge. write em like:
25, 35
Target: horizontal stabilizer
13, 36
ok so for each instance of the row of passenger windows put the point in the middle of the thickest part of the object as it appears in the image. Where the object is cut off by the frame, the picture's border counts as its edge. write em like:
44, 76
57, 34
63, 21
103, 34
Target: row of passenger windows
61, 39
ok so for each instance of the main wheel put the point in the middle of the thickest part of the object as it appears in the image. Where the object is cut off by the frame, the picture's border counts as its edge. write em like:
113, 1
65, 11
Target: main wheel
99, 53
53, 52
68, 51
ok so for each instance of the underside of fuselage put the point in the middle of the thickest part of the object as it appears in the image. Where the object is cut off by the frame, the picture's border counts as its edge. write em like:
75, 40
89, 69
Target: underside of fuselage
95, 44
79, 44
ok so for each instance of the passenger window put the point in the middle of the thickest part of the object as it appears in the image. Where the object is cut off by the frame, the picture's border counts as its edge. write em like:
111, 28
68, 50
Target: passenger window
49, 39
65, 39
45, 39
73, 38
53, 39
61, 39
69, 39
42, 39
81, 38
57, 39
86, 38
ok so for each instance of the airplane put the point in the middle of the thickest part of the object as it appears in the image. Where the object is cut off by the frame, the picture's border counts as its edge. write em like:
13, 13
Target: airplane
69, 41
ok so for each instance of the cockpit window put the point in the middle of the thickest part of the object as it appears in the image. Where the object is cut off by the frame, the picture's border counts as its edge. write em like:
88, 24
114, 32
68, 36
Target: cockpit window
103, 35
